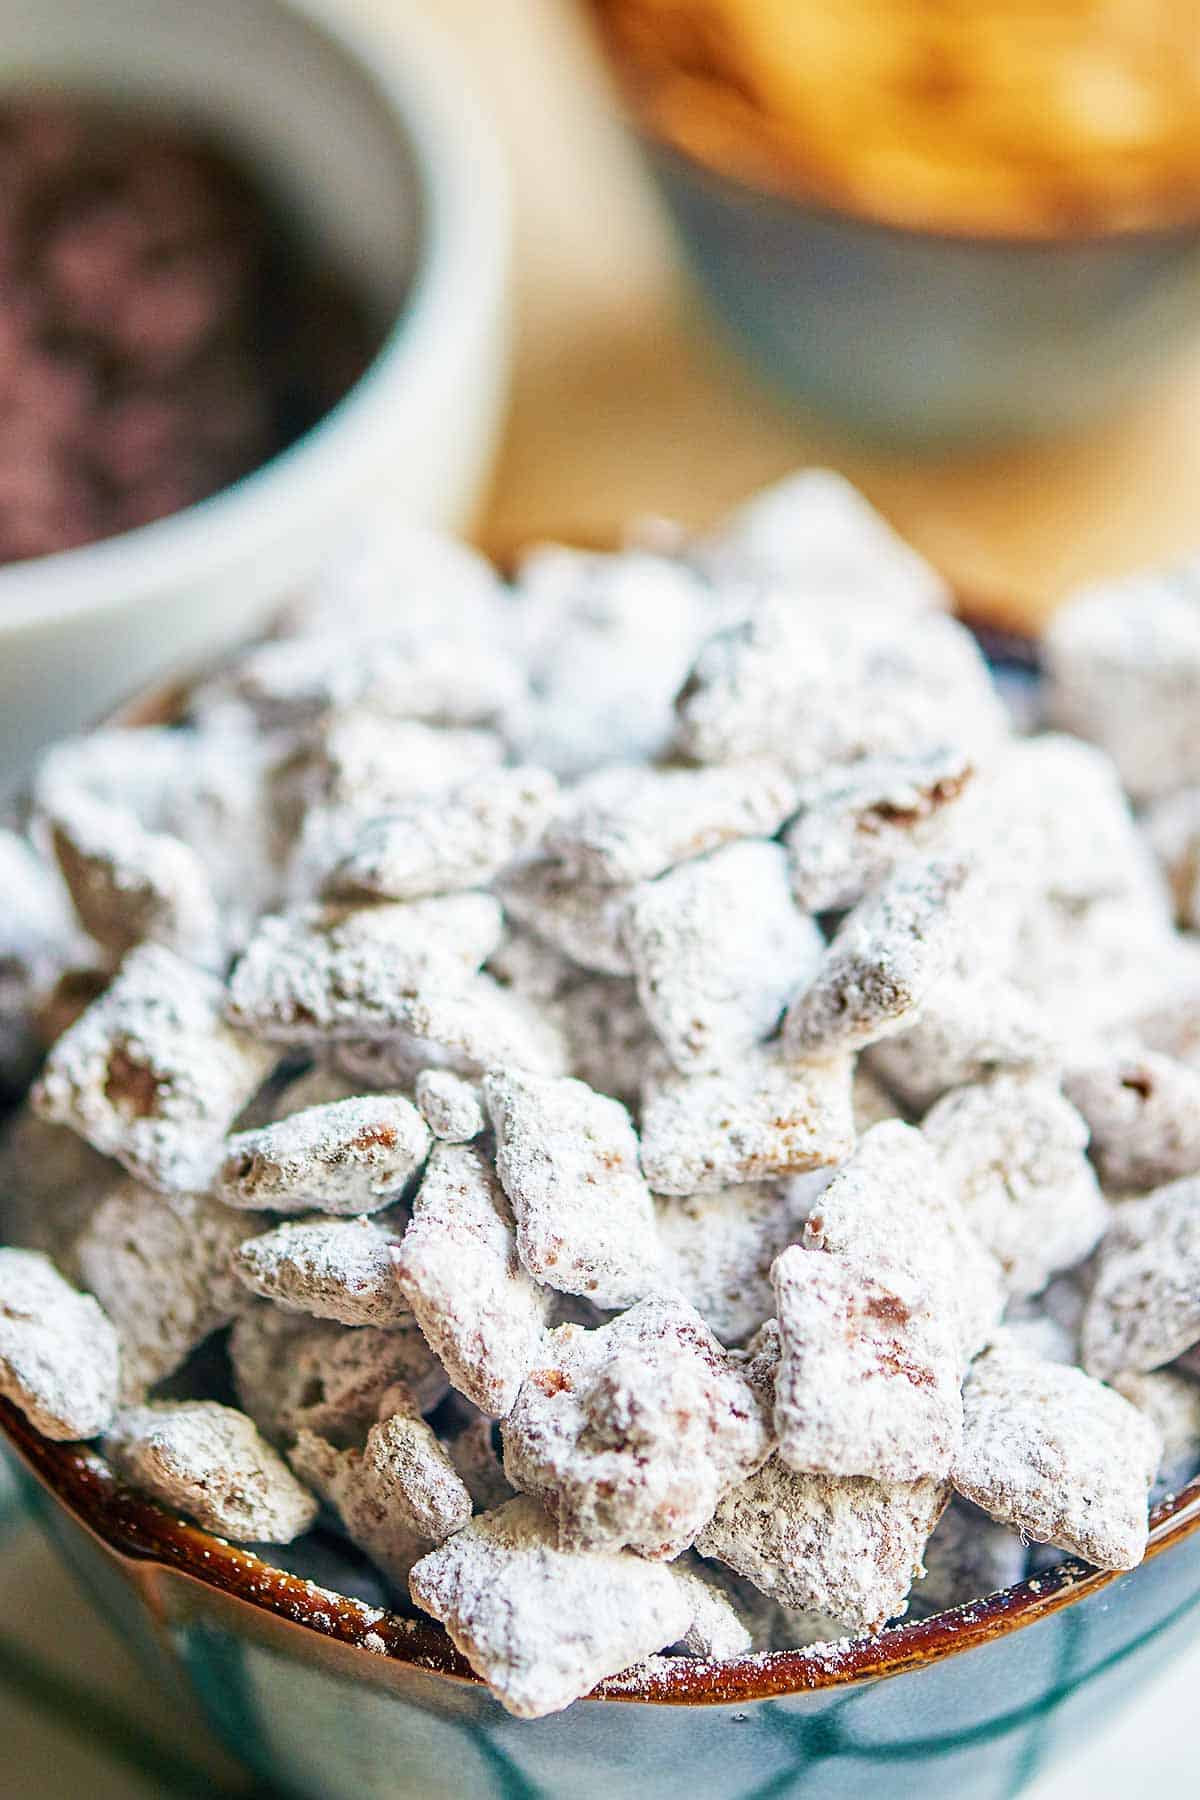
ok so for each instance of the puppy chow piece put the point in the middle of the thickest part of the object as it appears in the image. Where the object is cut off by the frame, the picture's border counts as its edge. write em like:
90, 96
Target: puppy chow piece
1013, 1150
530, 966
129, 885
630, 1434
845, 1546
541, 1624
884, 960
1123, 666
346, 972
1172, 827
624, 825
815, 532
1144, 1305
853, 823
1057, 1455
295, 1374
58, 1352
970, 1027
50, 1182
717, 1248
210, 1462
718, 948
397, 1497
1143, 1113
348, 1156
161, 1266
470, 1440
609, 1038
1171, 1401
871, 1102
568, 1159
37, 937
868, 1378
480, 1026
716, 1632
758, 1119
444, 844
889, 1209
582, 921
968, 1557
152, 1074
457, 1267
449, 1105
332, 1268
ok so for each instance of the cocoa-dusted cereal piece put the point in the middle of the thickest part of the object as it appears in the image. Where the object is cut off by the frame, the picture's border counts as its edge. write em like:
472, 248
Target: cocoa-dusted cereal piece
1171, 1401
50, 1183
760, 1118
129, 885
716, 1632
1172, 827
397, 1497
1057, 1455
868, 1377
846, 1546
161, 1266
969, 1027
298, 1374
542, 1624
457, 1267
477, 1027
968, 1557
1143, 1112
624, 825
332, 1268
630, 1434
470, 1439
152, 1074
886, 957
609, 1039
717, 1248
210, 1462
59, 1358
444, 844
852, 824
529, 966
1013, 1150
1144, 1305
872, 1102
348, 1156
450, 1105
347, 972
718, 948
582, 921
568, 1159
37, 938
890, 1208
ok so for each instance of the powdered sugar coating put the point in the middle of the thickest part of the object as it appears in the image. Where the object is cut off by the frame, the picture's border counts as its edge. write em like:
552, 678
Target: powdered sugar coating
449, 1105
320, 973
969, 1027
609, 1039
630, 1434
50, 1182
397, 1496
1143, 1113
210, 1462
1012, 1148
295, 1374
716, 1631
717, 1248
1144, 1306
1057, 1455
890, 1208
842, 1545
886, 957
1172, 827
332, 1268
581, 920
868, 1378
475, 1028
854, 823
462, 840
58, 1351
161, 1266
761, 1118
458, 1269
36, 939
1171, 1401
469, 1441
152, 1074
718, 948
568, 1159
624, 825
541, 1624
348, 1156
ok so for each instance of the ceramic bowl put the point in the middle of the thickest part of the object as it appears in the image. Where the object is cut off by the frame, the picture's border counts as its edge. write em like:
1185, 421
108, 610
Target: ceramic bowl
378, 153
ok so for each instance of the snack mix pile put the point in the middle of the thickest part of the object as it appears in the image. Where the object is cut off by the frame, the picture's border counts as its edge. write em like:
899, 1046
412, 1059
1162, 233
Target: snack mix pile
677, 1126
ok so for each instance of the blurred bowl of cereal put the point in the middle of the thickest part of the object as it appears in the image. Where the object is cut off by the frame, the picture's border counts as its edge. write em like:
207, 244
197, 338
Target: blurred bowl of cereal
149, 511
932, 228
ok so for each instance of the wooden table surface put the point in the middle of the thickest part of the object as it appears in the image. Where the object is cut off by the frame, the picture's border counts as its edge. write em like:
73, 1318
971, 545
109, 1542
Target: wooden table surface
625, 401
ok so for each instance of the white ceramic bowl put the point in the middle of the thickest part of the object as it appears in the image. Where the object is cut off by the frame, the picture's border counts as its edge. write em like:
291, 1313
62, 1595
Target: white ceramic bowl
373, 145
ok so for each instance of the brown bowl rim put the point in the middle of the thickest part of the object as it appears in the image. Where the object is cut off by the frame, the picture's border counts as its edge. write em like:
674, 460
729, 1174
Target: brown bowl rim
138, 1531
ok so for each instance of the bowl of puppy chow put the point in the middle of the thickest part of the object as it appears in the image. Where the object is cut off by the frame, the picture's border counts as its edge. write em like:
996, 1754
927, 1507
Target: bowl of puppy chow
602, 1178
